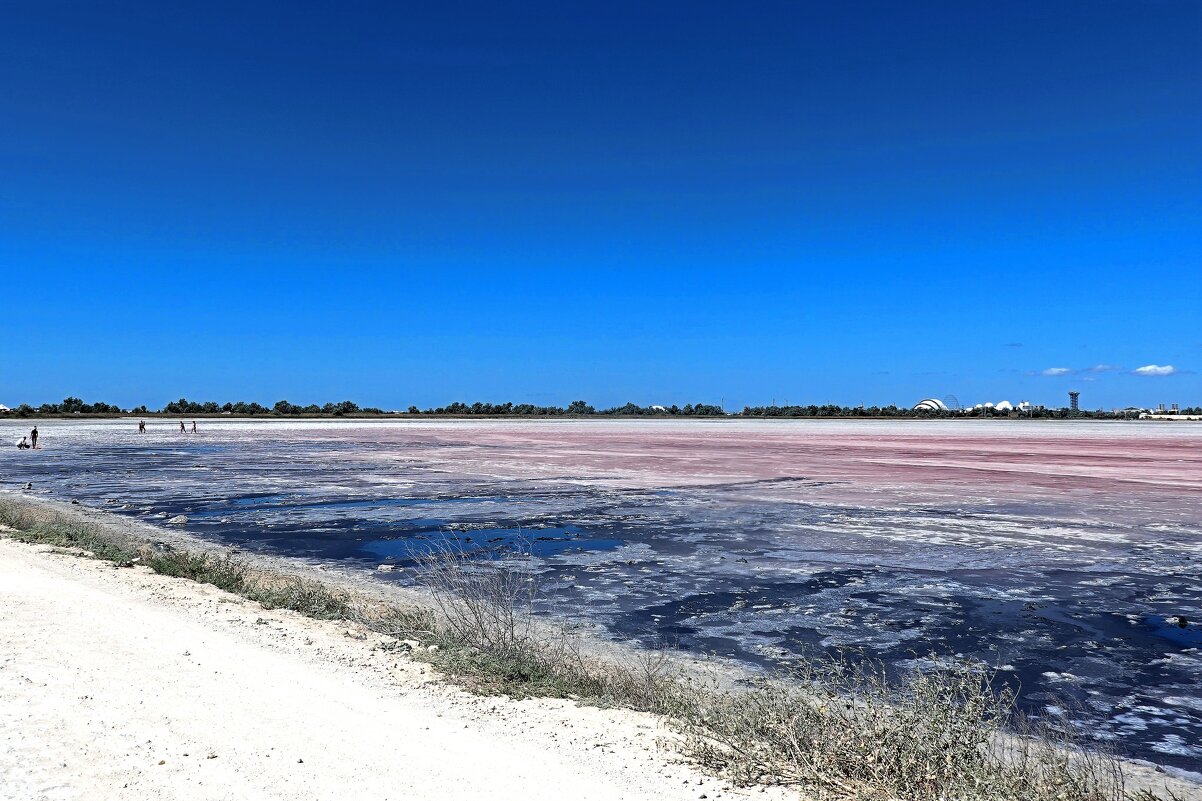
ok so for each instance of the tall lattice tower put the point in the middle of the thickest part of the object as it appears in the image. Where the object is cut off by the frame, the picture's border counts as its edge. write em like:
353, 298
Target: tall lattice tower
1073, 398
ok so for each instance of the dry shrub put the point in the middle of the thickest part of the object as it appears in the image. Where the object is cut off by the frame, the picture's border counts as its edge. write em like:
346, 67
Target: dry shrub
841, 728
483, 603
490, 639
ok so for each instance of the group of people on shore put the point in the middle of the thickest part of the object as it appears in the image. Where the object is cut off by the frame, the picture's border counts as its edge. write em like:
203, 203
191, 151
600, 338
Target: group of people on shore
30, 442
182, 428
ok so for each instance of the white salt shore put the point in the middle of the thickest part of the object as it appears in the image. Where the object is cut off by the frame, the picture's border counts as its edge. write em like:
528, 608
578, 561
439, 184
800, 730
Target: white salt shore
124, 684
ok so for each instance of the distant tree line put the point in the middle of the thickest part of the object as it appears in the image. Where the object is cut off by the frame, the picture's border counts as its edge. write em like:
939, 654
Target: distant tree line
280, 409
68, 406
1036, 413
574, 409
284, 408
579, 408
835, 410
183, 406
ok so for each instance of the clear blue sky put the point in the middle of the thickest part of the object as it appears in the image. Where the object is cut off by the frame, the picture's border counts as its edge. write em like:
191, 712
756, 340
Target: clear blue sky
660, 202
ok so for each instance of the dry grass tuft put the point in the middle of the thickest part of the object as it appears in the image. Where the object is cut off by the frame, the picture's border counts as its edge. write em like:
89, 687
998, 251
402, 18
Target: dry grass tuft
50, 528
272, 591
841, 728
489, 639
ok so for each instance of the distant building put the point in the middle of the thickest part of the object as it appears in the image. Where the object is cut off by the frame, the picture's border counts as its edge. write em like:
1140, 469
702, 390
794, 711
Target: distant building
1074, 399
1005, 406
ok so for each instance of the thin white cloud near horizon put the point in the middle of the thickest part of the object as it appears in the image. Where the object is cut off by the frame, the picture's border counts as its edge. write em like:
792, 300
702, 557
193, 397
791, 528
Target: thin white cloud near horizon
1088, 372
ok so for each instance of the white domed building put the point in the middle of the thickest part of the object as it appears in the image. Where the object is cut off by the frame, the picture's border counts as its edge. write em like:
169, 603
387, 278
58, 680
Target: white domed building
930, 405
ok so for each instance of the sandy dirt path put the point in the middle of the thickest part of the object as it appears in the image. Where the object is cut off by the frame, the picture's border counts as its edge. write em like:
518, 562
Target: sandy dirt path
123, 684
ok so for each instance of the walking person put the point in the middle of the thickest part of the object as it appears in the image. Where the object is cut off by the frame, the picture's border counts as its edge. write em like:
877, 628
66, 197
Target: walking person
33, 437
182, 430
141, 426
193, 426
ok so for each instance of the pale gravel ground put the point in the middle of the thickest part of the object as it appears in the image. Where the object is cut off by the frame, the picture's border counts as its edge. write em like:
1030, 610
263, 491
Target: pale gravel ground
123, 684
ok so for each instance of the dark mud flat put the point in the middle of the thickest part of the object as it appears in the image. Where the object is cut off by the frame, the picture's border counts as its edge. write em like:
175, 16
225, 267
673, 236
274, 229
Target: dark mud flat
1078, 602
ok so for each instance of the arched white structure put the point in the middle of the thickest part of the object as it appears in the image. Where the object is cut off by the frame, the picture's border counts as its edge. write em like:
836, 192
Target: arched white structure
931, 404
